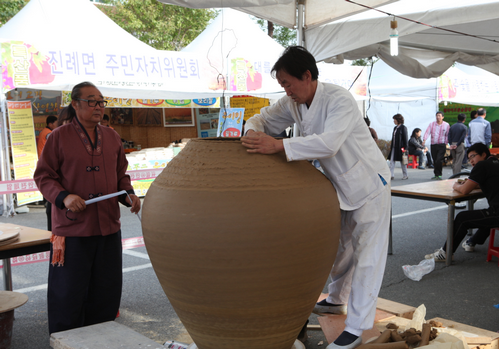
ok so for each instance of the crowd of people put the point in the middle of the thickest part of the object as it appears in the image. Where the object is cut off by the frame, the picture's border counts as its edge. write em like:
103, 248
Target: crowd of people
456, 139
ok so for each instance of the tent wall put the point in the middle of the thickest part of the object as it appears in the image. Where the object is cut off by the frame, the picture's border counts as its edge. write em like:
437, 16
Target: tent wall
416, 114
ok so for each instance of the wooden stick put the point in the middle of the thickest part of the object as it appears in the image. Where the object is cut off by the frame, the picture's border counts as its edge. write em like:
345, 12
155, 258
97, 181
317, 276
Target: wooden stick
384, 337
425, 335
392, 345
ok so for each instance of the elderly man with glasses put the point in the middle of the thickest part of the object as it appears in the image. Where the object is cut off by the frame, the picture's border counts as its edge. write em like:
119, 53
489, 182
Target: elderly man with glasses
83, 160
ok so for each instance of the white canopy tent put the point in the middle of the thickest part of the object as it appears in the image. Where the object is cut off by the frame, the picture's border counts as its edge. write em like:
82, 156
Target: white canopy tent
283, 12
424, 51
72, 24
235, 47
300, 14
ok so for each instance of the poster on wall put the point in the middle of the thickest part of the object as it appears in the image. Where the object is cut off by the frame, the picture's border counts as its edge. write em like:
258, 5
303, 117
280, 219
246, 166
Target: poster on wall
178, 117
230, 122
44, 103
22, 139
207, 122
251, 105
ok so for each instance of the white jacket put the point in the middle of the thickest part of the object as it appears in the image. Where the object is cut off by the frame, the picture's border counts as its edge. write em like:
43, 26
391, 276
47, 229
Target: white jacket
334, 132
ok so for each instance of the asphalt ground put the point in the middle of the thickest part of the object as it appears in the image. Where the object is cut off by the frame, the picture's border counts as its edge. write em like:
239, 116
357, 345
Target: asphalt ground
465, 292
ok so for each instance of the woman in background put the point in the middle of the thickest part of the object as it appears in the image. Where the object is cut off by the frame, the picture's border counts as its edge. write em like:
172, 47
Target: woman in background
416, 147
399, 141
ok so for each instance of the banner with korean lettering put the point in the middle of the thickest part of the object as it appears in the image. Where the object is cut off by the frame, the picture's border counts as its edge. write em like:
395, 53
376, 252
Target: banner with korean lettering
158, 75
459, 87
230, 122
22, 139
151, 103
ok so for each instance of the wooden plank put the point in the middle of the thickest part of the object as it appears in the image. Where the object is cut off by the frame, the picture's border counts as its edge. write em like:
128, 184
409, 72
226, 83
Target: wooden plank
333, 325
478, 332
398, 309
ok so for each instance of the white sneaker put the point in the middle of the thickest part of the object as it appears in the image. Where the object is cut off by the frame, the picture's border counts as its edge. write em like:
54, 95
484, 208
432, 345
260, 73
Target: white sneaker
468, 247
439, 255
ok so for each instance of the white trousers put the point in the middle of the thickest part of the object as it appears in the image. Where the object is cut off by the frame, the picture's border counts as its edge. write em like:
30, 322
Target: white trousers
392, 166
360, 262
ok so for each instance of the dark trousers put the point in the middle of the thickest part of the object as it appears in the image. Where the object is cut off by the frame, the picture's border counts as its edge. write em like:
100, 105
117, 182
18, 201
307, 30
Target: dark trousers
484, 220
420, 154
48, 212
438, 154
87, 289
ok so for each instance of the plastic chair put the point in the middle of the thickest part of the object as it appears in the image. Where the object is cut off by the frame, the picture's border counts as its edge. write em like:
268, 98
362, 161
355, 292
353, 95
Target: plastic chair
413, 161
493, 251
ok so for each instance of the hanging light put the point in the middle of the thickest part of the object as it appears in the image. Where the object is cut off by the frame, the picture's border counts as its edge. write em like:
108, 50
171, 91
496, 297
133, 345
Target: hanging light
394, 39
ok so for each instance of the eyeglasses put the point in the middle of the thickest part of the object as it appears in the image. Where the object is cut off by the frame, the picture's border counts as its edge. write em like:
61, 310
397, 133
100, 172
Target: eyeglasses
92, 102
472, 156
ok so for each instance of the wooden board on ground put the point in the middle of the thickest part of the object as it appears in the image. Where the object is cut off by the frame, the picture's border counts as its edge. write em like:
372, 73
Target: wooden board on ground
333, 325
108, 335
473, 335
398, 309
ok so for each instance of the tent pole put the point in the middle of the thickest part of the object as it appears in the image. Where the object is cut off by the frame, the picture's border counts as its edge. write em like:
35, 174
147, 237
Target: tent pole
300, 23
8, 210
300, 42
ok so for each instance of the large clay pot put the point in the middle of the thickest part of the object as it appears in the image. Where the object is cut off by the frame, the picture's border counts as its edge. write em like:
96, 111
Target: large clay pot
241, 243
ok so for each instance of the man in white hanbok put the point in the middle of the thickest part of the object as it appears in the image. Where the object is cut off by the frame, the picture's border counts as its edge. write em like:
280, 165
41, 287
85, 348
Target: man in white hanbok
333, 132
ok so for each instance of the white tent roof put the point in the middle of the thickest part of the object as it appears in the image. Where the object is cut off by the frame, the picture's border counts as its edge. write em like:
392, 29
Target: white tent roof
425, 51
283, 12
233, 35
75, 23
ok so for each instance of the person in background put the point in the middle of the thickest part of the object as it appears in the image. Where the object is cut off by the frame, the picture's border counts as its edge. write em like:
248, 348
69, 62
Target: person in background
83, 160
45, 133
484, 176
456, 137
438, 130
62, 120
416, 147
480, 130
105, 121
64, 117
373, 132
399, 142
467, 143
332, 131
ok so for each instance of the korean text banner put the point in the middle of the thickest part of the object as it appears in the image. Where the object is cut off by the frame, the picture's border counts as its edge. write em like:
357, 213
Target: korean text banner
146, 75
22, 137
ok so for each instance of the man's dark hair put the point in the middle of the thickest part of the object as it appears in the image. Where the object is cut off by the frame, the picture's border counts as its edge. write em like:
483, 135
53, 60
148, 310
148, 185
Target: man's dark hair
295, 61
481, 112
399, 118
76, 94
105, 117
480, 149
461, 117
473, 114
439, 112
51, 119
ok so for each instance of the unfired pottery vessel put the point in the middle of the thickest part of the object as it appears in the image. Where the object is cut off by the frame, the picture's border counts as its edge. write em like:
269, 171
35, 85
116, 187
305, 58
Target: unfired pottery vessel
241, 243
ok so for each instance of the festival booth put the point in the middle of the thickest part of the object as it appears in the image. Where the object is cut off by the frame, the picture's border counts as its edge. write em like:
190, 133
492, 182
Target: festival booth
161, 87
